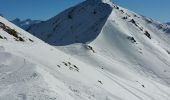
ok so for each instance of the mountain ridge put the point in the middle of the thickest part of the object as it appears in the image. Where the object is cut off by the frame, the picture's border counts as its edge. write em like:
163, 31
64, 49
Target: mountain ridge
124, 34
126, 25
104, 8
74, 18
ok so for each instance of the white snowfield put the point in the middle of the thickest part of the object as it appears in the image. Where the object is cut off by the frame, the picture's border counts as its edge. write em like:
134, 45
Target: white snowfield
127, 57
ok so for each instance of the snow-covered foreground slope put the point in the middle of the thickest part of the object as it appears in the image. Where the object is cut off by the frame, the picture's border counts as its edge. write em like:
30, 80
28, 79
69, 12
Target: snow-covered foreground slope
125, 60
40, 72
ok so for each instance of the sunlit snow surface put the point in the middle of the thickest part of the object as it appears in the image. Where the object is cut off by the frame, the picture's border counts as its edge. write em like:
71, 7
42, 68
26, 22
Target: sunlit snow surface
122, 62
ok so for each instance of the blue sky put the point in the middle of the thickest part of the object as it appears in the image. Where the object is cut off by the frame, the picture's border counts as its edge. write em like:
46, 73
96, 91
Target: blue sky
44, 9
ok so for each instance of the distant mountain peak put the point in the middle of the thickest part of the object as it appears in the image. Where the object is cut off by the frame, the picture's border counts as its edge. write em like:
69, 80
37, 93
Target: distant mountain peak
25, 24
17, 20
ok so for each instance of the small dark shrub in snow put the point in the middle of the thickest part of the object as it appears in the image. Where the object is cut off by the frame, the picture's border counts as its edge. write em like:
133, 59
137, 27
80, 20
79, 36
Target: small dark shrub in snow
132, 39
125, 17
100, 82
5, 38
121, 11
2, 25
65, 63
58, 66
135, 15
168, 52
31, 40
1, 37
34, 75
20, 39
141, 28
147, 34
76, 68
69, 63
143, 86
90, 48
116, 7
134, 22
71, 68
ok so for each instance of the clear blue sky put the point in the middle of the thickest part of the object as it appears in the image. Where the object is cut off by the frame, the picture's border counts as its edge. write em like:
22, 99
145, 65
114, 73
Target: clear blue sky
44, 9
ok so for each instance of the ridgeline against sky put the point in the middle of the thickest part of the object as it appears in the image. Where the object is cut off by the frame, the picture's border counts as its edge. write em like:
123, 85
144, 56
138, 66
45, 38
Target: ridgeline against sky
45, 9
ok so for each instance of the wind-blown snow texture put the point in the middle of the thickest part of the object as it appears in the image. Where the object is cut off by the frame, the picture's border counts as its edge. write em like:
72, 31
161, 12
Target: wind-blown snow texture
127, 58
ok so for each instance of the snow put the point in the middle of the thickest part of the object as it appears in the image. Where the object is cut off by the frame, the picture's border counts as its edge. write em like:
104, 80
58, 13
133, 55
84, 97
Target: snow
110, 65
27, 75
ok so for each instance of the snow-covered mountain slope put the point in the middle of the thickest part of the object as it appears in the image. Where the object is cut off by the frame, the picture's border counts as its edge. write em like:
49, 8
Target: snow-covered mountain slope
41, 72
84, 22
25, 24
128, 58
